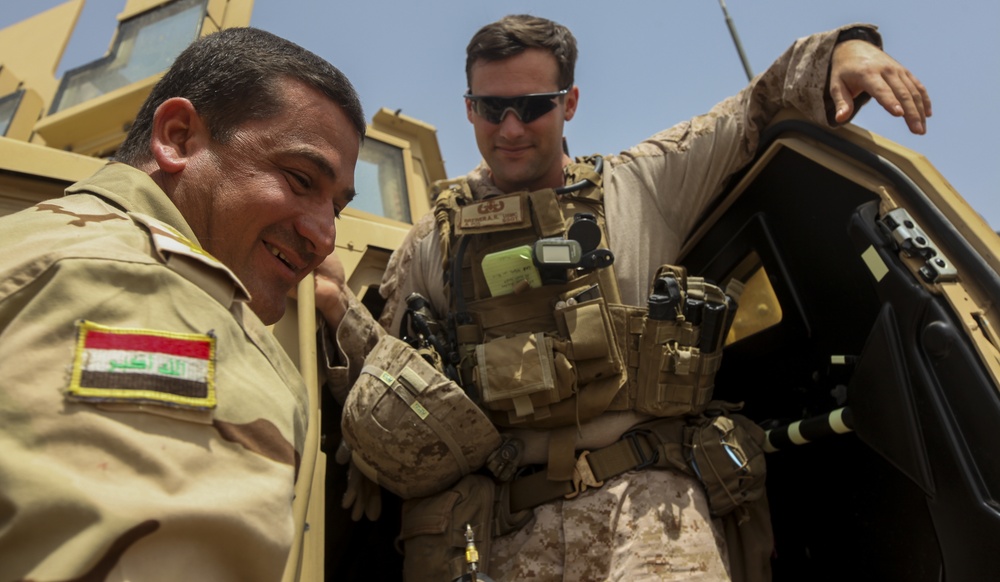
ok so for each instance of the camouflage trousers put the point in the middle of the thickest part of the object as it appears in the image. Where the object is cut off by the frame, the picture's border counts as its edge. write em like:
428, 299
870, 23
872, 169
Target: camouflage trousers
642, 525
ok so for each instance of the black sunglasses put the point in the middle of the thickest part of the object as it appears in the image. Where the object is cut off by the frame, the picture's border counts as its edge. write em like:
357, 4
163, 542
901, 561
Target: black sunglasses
527, 108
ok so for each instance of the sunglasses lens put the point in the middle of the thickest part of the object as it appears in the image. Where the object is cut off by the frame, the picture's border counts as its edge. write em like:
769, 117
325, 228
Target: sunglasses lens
490, 108
535, 107
527, 108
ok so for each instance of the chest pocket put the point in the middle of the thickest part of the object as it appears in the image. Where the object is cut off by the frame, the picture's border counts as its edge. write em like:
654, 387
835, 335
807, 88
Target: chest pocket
545, 357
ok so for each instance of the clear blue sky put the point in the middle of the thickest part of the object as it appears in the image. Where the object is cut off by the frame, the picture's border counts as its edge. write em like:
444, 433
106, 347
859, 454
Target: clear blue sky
644, 65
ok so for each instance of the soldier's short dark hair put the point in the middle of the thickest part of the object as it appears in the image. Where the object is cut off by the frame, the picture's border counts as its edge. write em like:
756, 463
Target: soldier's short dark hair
515, 33
234, 76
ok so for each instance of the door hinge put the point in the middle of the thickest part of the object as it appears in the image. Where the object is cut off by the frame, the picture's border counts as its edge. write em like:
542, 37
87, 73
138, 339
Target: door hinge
909, 238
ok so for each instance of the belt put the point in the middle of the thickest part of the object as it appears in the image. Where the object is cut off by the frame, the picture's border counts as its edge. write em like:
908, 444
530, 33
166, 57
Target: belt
637, 449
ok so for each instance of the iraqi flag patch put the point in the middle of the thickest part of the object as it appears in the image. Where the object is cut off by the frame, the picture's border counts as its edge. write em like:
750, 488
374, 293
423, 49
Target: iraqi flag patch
140, 366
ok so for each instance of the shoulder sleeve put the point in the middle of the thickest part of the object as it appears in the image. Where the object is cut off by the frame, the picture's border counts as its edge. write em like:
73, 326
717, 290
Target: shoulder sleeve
414, 267
345, 349
192, 262
121, 465
677, 172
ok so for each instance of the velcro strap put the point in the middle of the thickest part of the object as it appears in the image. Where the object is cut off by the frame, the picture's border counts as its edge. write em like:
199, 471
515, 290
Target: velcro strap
634, 451
548, 217
562, 443
535, 489
403, 386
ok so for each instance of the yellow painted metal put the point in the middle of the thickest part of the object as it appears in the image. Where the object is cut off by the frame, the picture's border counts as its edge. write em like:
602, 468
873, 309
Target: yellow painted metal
96, 127
44, 162
360, 234
237, 13
32, 48
425, 154
9, 82
137, 7
31, 173
223, 13
28, 112
311, 482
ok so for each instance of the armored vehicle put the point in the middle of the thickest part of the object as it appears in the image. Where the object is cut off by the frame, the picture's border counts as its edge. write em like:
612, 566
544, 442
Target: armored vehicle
865, 341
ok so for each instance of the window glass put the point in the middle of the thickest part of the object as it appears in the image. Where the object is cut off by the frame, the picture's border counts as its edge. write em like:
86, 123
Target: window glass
380, 180
146, 45
8, 107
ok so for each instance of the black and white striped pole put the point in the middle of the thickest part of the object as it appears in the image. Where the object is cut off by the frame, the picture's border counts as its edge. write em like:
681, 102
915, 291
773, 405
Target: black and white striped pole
804, 431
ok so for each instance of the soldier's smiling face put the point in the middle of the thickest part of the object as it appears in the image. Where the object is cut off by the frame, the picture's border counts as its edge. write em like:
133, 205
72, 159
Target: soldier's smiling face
264, 203
522, 156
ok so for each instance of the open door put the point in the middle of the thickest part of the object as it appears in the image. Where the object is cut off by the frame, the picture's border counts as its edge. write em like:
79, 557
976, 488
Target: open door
868, 315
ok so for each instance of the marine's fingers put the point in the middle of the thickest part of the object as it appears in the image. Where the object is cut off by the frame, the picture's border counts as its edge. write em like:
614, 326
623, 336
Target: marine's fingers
908, 98
842, 102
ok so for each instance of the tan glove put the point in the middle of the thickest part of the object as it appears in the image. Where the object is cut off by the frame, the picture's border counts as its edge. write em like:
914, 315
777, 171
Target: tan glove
363, 496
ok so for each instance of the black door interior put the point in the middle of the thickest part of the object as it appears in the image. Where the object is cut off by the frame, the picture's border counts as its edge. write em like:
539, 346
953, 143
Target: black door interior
911, 493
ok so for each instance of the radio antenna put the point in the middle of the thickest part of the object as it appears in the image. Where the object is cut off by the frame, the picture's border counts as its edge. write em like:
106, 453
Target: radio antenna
736, 40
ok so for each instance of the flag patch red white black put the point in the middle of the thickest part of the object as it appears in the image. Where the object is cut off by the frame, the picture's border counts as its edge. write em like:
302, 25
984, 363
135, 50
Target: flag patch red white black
143, 366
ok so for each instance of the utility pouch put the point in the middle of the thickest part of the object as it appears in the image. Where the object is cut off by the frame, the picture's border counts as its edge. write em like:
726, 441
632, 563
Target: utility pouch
723, 450
726, 452
680, 344
519, 373
546, 357
592, 347
433, 530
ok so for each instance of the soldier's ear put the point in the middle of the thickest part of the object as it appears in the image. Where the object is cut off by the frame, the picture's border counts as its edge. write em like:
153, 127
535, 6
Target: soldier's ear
468, 110
178, 133
572, 100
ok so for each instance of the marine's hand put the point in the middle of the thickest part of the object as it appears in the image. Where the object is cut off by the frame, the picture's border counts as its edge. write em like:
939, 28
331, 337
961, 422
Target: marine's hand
860, 67
331, 295
363, 497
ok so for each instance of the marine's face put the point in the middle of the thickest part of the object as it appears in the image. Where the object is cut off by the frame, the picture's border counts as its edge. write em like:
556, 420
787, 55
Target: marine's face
522, 156
270, 195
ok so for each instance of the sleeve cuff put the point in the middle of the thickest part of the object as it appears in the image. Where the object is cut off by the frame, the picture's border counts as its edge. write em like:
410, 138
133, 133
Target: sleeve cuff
864, 33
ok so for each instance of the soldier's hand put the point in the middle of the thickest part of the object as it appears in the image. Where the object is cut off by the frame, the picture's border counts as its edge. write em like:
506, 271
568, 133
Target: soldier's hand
861, 67
331, 290
363, 497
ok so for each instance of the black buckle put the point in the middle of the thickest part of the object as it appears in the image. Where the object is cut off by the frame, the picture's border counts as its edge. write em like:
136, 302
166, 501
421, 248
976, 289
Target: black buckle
632, 437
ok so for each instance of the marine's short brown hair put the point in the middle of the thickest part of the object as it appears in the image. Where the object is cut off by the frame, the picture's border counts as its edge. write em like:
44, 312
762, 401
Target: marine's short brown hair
514, 34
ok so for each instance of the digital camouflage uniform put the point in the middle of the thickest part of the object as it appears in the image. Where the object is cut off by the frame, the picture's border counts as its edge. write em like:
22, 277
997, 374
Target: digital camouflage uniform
644, 524
150, 425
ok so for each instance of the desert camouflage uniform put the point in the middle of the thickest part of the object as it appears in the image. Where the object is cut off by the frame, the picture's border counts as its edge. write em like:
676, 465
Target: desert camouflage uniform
647, 524
119, 461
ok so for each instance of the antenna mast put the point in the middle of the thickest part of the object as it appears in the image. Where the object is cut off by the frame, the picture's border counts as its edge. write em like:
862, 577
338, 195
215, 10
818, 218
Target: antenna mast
736, 40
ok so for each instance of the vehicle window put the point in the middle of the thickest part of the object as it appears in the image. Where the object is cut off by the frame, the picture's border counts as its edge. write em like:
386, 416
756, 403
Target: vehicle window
758, 305
146, 45
380, 180
8, 107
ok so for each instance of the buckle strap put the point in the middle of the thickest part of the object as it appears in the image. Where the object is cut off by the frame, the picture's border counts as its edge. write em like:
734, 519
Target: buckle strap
583, 476
635, 450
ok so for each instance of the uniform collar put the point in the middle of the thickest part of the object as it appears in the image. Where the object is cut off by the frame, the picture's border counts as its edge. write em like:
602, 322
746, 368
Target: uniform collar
133, 190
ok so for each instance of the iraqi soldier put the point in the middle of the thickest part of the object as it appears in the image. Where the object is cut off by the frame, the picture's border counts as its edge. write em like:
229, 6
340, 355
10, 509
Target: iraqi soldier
151, 426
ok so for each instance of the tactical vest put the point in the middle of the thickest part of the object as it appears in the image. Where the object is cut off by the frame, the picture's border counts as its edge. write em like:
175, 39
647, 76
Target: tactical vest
546, 347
